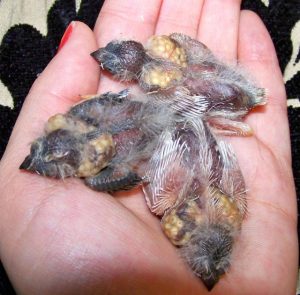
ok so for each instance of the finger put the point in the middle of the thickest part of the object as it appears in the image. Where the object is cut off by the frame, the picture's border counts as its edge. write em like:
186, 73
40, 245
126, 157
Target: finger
218, 27
132, 19
257, 54
71, 72
180, 17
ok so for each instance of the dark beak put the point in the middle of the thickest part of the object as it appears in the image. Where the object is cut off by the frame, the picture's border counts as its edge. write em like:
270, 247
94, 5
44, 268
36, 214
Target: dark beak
27, 164
210, 283
97, 54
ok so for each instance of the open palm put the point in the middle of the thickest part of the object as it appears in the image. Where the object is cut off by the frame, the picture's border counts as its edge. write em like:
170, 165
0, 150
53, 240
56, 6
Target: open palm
62, 238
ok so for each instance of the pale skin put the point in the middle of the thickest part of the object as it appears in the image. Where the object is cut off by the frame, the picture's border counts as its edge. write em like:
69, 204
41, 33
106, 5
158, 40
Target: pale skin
59, 237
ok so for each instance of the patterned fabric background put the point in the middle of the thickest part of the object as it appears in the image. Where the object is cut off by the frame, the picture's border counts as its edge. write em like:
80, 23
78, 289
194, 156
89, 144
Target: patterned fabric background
30, 32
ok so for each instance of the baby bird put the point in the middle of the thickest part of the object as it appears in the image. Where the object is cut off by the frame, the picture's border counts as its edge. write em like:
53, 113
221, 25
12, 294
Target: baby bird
197, 187
184, 73
106, 140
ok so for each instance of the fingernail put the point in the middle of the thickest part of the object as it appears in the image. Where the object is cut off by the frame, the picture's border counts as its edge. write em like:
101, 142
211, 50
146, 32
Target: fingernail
66, 35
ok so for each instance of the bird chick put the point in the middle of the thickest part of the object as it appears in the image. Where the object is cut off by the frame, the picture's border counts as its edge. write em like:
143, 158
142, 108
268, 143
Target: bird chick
183, 72
104, 139
197, 187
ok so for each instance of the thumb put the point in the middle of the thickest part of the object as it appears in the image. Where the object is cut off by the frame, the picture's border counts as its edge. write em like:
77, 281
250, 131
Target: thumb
71, 72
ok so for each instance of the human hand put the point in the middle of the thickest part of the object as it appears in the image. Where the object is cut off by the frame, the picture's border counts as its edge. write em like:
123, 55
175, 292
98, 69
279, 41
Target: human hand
62, 238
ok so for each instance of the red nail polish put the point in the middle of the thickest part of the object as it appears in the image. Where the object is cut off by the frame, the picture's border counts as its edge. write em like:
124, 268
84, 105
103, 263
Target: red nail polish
66, 35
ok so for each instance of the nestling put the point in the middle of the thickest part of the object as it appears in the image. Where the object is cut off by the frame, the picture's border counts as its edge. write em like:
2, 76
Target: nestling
184, 73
